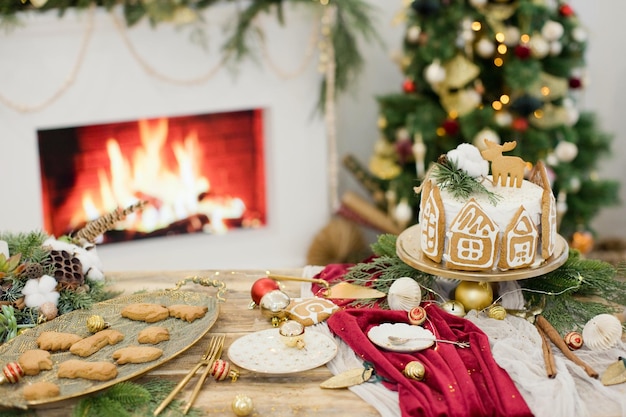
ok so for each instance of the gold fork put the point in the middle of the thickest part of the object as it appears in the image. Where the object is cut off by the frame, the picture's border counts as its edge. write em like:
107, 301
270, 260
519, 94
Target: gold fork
207, 370
213, 351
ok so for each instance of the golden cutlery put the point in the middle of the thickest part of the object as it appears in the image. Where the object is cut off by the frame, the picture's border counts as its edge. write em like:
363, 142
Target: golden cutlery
210, 355
209, 363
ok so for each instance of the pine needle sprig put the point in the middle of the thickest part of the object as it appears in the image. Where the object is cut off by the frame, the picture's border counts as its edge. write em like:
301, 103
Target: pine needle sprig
567, 313
29, 245
461, 185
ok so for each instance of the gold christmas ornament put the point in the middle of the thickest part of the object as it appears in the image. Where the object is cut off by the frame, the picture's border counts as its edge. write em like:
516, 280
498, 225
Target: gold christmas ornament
242, 405
474, 295
454, 307
273, 305
460, 71
292, 334
414, 370
96, 323
497, 312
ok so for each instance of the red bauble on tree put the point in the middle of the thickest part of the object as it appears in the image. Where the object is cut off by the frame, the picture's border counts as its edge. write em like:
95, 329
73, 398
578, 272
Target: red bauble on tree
575, 83
519, 124
566, 10
451, 127
522, 51
408, 86
261, 287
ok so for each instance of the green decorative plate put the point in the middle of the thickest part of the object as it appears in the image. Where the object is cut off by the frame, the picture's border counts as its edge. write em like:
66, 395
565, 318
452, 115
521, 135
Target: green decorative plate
182, 336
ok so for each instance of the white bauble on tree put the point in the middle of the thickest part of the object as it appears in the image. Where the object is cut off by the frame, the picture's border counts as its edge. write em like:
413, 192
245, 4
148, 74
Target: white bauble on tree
486, 133
555, 48
552, 30
503, 118
511, 35
566, 151
485, 48
435, 73
478, 3
413, 34
539, 46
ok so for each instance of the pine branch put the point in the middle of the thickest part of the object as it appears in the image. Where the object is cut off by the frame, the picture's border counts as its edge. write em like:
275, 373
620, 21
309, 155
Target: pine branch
449, 177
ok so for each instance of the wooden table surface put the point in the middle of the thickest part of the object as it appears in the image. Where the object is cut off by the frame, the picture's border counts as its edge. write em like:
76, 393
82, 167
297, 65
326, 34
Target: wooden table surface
296, 394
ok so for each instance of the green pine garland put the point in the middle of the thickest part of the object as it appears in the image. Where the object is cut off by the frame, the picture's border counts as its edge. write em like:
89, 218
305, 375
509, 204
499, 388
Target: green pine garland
573, 293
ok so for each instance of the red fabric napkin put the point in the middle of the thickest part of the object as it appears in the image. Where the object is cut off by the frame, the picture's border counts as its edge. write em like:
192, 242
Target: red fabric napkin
458, 382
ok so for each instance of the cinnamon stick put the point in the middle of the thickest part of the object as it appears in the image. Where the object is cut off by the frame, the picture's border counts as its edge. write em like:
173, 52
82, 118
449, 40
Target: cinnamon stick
556, 338
548, 356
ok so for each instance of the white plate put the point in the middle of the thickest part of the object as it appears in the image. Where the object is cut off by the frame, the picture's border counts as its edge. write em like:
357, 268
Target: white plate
265, 352
420, 338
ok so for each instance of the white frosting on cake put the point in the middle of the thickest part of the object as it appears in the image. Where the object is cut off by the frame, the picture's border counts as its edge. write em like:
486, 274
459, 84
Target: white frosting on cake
511, 198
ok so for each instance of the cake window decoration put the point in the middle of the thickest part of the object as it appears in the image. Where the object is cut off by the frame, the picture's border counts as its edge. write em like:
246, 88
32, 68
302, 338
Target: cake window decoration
461, 172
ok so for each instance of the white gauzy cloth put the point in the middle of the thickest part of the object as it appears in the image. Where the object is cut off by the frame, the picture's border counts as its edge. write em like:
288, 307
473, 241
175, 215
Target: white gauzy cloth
516, 347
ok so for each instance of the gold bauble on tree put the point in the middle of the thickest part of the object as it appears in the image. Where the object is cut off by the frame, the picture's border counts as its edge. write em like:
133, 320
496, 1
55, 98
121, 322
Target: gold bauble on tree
474, 295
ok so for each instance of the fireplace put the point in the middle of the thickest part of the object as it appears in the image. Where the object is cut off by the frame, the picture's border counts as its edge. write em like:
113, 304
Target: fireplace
198, 173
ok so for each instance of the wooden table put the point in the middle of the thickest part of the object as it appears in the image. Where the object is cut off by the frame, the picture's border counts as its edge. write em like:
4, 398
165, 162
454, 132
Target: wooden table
295, 394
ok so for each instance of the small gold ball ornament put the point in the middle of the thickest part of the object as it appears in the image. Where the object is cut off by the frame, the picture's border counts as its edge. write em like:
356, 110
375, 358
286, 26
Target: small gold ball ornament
454, 307
497, 312
96, 323
414, 370
242, 405
474, 295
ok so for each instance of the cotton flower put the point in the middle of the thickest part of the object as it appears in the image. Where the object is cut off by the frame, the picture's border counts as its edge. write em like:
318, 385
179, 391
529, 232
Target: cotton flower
468, 158
40, 290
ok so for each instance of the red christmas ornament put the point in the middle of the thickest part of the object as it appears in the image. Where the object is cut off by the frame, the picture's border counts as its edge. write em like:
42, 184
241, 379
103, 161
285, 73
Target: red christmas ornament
519, 124
575, 82
522, 51
221, 370
261, 287
566, 10
12, 373
408, 86
451, 127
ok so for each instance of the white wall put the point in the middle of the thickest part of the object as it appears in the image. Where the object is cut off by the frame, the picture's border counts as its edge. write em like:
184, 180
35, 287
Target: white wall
112, 86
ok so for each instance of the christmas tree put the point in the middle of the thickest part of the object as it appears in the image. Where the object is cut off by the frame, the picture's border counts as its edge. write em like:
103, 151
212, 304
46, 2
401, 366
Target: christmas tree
498, 70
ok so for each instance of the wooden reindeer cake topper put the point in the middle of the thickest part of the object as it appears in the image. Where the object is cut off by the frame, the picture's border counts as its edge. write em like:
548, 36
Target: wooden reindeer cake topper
504, 167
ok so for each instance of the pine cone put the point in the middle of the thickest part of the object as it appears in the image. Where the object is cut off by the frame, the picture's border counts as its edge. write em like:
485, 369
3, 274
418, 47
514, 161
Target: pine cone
68, 270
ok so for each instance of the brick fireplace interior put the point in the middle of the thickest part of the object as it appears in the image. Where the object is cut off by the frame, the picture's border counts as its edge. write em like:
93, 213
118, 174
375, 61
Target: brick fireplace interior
198, 174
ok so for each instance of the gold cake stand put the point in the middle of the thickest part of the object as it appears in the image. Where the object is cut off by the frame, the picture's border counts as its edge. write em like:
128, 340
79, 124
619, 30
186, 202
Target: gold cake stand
408, 248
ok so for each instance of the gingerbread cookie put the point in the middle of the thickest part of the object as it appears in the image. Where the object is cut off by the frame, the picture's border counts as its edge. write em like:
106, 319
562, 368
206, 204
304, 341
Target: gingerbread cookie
148, 312
56, 341
519, 242
96, 371
187, 312
90, 345
136, 354
153, 335
34, 361
40, 391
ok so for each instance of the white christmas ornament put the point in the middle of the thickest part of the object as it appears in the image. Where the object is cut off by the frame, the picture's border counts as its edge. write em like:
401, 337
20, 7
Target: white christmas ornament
503, 118
539, 47
404, 294
574, 184
485, 48
40, 290
566, 151
511, 35
477, 3
555, 48
602, 332
552, 30
402, 133
579, 34
435, 73
486, 133
413, 33
403, 213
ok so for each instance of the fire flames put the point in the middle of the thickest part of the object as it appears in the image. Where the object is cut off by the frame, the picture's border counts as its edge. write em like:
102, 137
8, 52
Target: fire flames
169, 175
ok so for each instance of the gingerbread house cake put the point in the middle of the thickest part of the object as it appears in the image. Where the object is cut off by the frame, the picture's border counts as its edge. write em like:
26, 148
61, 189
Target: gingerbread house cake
487, 222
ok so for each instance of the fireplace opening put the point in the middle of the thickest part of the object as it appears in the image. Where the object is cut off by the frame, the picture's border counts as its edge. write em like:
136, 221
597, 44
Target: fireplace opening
198, 173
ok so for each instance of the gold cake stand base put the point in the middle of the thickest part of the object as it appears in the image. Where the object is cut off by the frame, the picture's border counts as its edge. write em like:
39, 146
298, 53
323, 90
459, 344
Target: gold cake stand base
408, 248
